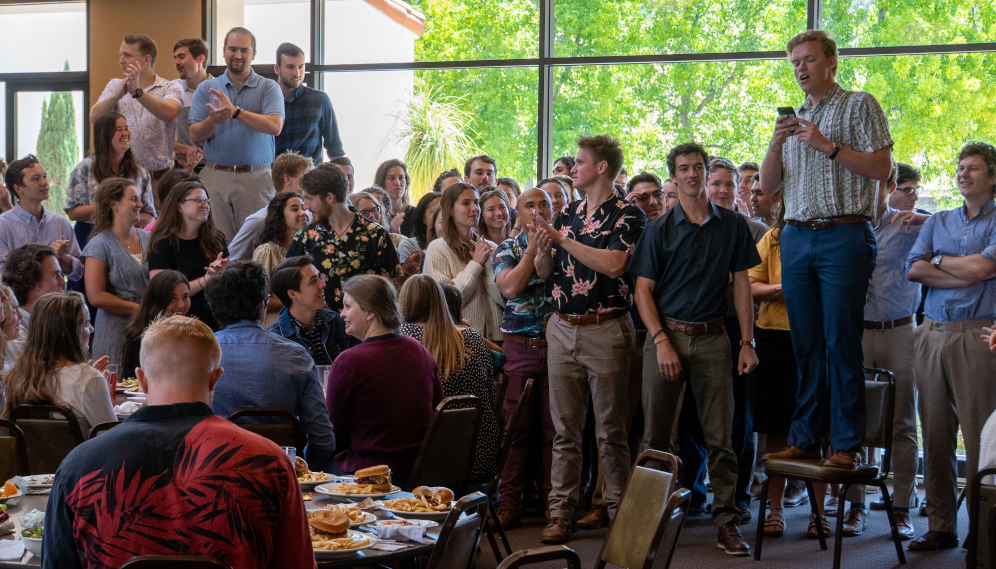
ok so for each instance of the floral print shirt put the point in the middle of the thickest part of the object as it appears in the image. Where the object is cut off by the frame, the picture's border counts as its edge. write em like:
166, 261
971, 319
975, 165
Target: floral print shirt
366, 248
527, 314
616, 225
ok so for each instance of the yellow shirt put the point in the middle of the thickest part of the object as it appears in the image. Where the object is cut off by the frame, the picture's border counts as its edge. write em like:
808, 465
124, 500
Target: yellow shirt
773, 315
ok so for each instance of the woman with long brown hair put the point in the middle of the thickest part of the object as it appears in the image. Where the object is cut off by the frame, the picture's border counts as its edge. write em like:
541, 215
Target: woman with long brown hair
462, 358
186, 240
285, 216
112, 158
462, 257
392, 175
52, 368
168, 294
115, 278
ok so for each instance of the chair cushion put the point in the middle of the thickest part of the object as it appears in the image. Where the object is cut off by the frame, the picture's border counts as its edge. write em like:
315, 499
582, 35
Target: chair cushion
815, 469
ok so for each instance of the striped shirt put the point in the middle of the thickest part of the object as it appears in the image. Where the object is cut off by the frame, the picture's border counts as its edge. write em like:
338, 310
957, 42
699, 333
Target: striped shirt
817, 187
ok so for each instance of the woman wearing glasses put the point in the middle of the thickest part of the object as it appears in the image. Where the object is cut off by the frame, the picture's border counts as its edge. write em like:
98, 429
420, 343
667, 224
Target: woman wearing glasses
368, 206
186, 240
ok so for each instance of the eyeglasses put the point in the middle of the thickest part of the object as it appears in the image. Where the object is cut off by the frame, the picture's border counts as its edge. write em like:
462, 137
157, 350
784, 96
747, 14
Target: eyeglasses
368, 212
642, 198
199, 201
909, 191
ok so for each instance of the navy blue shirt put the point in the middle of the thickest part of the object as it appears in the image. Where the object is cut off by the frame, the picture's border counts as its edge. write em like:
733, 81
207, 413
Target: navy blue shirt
308, 121
691, 264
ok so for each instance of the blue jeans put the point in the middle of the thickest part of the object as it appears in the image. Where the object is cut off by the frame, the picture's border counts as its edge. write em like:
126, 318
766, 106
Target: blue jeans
825, 274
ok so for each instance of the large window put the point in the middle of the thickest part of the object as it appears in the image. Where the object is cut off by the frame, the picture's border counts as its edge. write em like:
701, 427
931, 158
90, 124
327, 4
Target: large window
43, 37
274, 22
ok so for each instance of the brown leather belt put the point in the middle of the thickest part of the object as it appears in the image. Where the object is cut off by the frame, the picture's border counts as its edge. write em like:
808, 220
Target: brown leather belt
585, 319
528, 342
157, 174
226, 168
828, 222
876, 325
695, 328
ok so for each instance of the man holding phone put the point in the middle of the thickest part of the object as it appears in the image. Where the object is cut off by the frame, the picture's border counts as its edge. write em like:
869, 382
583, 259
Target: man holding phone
834, 150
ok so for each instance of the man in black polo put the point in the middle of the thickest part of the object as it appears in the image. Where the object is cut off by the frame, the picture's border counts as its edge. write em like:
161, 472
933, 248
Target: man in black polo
682, 266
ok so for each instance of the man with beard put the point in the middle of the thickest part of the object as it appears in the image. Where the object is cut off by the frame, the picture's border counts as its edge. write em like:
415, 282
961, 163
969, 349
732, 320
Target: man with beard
309, 120
190, 59
237, 116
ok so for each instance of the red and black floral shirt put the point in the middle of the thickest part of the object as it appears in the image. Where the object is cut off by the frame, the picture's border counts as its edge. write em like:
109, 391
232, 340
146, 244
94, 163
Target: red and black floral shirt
177, 480
616, 225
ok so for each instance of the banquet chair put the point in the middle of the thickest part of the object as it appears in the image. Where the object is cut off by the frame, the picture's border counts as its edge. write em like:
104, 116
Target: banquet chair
490, 488
501, 386
460, 534
50, 433
101, 428
174, 561
880, 394
14, 451
283, 427
447, 454
542, 555
981, 540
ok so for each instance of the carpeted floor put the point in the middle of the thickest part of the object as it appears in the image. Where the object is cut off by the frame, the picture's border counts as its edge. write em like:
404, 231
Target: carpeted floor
697, 545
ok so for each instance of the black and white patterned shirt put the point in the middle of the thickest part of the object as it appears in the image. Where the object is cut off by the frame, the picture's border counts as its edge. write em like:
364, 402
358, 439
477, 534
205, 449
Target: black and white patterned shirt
313, 339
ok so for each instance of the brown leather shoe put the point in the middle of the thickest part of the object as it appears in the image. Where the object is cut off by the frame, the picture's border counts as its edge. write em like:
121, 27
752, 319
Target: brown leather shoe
731, 541
848, 460
934, 540
508, 519
596, 518
557, 532
793, 453
905, 525
855, 522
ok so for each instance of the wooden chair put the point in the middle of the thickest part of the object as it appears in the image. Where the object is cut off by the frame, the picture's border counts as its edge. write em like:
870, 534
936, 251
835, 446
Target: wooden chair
880, 394
489, 489
101, 428
638, 532
174, 561
460, 534
981, 540
447, 452
542, 555
50, 433
14, 450
280, 426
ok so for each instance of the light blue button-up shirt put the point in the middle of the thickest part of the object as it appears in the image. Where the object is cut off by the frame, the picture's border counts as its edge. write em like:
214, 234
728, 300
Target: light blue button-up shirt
952, 233
233, 143
18, 227
263, 369
891, 295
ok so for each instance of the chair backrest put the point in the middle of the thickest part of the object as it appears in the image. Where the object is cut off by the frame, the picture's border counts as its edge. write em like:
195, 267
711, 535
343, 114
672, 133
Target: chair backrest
981, 540
501, 386
459, 536
447, 452
542, 555
635, 534
880, 393
659, 557
50, 433
278, 425
102, 428
171, 561
14, 450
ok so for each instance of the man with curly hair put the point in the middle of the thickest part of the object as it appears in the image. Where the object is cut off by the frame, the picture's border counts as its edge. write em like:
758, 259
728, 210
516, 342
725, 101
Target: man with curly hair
31, 271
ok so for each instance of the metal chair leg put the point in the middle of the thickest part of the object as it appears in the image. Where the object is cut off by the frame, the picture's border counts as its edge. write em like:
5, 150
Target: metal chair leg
892, 521
816, 510
761, 511
494, 544
501, 530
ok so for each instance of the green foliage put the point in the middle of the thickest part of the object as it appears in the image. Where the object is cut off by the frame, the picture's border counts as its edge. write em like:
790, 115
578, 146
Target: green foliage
58, 148
435, 130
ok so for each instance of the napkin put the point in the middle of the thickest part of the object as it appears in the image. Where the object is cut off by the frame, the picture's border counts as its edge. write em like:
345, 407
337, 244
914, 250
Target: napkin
127, 408
401, 533
11, 550
33, 519
388, 546
6, 527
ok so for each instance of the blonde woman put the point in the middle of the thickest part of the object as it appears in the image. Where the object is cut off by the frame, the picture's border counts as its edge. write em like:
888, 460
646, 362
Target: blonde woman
495, 215
462, 258
462, 358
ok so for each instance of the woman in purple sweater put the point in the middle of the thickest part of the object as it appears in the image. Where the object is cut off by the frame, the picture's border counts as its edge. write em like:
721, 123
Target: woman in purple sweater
380, 413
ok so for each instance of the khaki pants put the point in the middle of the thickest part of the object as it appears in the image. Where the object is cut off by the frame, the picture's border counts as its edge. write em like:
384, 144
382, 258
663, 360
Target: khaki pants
955, 374
588, 361
236, 195
706, 367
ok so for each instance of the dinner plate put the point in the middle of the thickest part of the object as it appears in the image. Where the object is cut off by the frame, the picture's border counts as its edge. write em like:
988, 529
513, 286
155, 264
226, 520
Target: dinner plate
422, 523
326, 489
6, 499
308, 486
356, 536
437, 516
40, 480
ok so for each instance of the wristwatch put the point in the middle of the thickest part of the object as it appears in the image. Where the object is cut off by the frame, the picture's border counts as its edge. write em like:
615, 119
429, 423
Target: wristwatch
750, 343
238, 111
936, 261
138, 93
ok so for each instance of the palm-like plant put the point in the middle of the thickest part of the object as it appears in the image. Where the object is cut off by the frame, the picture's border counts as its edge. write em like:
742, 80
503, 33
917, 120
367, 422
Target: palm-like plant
435, 129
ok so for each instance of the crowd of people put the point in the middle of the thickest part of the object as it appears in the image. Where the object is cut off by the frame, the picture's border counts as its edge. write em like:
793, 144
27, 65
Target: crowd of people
721, 312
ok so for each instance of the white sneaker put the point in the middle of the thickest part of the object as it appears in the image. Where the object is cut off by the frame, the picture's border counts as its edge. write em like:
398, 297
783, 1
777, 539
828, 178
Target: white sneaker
830, 508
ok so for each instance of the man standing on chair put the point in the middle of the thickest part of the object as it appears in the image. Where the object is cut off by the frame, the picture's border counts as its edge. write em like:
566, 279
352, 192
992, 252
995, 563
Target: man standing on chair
834, 150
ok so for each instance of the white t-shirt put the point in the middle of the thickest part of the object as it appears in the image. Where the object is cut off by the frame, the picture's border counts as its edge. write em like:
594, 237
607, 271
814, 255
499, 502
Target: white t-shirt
84, 390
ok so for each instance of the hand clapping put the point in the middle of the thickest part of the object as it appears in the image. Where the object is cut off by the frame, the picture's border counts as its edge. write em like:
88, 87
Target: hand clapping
224, 109
480, 250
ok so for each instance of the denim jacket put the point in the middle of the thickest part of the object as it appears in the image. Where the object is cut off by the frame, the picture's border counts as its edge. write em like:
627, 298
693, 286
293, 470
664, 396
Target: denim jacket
334, 336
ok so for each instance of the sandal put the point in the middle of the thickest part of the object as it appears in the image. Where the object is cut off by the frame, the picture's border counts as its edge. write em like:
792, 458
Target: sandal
774, 525
812, 533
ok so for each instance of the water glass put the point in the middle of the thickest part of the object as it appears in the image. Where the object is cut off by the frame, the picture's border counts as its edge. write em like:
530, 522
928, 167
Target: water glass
323, 377
291, 452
